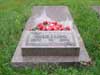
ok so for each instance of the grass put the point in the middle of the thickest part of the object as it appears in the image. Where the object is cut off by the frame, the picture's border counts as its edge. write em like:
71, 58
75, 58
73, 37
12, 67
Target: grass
13, 16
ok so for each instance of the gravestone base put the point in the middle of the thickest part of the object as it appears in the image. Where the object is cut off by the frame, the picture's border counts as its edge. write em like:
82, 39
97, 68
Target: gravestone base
22, 61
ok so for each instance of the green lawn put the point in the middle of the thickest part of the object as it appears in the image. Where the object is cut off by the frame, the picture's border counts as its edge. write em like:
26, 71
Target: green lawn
13, 16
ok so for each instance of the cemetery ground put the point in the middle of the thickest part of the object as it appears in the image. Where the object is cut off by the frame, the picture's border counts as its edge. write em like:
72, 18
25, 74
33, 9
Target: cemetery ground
13, 16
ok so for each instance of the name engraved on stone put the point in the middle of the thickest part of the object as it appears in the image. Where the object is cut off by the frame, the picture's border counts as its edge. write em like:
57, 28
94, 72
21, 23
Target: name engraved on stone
50, 38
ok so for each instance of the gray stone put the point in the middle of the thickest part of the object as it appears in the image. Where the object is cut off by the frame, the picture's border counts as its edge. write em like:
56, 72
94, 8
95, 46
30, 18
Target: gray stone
56, 13
21, 61
50, 43
75, 42
96, 8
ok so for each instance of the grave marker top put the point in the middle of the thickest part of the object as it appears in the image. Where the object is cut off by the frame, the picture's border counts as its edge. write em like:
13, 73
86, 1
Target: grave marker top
51, 13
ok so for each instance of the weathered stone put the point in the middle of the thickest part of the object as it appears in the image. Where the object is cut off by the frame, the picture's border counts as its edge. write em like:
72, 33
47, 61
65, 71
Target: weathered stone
19, 60
50, 43
97, 9
55, 13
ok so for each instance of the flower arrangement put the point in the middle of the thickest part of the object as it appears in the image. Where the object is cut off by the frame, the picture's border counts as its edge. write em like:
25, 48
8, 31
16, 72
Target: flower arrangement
51, 26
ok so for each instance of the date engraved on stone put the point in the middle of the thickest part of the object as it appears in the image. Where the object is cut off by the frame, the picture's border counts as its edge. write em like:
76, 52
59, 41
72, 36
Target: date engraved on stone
50, 38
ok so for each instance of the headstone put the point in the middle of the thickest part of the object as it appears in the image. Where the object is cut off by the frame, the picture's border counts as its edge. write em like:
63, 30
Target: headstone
51, 43
36, 47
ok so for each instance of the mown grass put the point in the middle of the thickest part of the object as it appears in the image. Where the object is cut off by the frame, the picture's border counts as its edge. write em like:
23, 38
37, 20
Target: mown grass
13, 16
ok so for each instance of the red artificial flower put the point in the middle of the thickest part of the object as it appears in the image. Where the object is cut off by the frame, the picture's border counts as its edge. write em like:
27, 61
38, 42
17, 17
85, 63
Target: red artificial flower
45, 22
68, 28
40, 26
51, 26
55, 23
